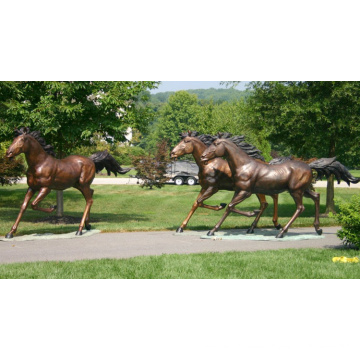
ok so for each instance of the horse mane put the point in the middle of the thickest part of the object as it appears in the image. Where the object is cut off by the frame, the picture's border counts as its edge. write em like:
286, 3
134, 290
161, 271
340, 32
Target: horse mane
238, 140
49, 149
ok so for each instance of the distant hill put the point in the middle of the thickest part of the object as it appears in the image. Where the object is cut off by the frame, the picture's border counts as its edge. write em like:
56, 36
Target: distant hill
216, 95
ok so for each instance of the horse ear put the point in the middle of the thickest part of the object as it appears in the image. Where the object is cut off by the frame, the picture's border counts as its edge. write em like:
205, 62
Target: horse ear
189, 133
220, 134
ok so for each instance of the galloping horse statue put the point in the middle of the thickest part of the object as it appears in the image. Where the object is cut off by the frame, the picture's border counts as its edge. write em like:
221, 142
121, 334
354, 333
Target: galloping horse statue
216, 175
293, 176
46, 173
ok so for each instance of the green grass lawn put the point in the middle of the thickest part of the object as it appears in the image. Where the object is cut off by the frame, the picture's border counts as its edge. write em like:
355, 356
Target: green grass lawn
131, 208
279, 264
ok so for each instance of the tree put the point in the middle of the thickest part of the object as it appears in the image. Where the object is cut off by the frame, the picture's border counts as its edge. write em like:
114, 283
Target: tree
179, 114
233, 117
68, 113
311, 119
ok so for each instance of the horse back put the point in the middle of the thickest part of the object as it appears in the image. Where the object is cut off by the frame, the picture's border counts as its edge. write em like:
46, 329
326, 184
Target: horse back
273, 179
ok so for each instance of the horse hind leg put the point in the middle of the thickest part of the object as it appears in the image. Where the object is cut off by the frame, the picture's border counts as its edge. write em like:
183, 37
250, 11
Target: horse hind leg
275, 198
297, 196
88, 194
316, 198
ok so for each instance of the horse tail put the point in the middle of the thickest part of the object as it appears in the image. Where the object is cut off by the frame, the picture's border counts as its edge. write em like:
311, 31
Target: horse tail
329, 166
103, 159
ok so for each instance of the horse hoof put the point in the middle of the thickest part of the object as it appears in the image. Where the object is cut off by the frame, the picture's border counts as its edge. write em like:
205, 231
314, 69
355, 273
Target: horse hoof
250, 231
278, 227
9, 236
222, 205
319, 231
88, 227
279, 236
180, 230
78, 233
210, 233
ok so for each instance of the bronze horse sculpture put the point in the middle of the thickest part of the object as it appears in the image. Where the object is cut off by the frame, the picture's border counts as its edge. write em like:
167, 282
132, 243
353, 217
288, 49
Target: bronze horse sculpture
251, 176
215, 175
281, 174
46, 173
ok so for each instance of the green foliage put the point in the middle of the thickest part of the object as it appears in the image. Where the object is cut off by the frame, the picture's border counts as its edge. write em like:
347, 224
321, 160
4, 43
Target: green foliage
10, 169
349, 218
184, 111
214, 95
68, 113
309, 118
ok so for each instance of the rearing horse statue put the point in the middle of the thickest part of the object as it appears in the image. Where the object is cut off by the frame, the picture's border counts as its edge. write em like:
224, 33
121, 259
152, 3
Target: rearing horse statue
46, 173
251, 176
216, 175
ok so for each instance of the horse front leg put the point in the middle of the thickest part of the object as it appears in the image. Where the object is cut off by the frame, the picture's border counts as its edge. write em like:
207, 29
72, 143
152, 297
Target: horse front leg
237, 199
204, 195
263, 206
40, 197
30, 193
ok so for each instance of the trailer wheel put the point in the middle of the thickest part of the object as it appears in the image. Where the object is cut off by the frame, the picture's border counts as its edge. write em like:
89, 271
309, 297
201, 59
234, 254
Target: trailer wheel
178, 181
191, 181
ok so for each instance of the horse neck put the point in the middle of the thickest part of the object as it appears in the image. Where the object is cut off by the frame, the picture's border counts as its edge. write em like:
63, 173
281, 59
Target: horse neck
34, 152
199, 148
236, 157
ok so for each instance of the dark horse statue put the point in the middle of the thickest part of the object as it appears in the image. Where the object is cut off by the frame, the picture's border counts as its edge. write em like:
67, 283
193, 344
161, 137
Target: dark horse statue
251, 176
46, 173
215, 175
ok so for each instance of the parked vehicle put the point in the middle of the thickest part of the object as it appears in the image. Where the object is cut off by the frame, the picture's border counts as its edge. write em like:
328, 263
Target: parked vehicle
183, 172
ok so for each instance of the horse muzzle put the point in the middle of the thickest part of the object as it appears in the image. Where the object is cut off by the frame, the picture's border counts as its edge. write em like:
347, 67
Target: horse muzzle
9, 154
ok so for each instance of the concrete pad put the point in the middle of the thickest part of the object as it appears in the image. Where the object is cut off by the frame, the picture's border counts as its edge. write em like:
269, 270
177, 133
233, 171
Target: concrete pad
50, 236
261, 235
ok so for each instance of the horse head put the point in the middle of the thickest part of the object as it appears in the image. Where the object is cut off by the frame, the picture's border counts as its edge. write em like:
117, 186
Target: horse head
186, 145
18, 146
216, 149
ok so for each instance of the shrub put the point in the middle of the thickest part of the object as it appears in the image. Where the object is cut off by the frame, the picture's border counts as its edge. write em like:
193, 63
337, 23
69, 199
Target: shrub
349, 218
152, 169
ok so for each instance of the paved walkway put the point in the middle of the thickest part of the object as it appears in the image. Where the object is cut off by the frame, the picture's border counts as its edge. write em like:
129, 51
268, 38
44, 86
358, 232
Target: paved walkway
95, 245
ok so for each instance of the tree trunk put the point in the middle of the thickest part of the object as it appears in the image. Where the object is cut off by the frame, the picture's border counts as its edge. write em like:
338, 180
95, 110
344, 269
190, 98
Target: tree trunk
60, 193
60, 203
330, 204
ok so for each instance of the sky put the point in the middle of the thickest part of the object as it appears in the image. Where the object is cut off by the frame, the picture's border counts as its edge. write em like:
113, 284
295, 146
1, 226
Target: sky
187, 85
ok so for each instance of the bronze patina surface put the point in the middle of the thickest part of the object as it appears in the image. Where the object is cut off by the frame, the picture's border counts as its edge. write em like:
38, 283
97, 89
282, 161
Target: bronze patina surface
251, 176
46, 173
215, 174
